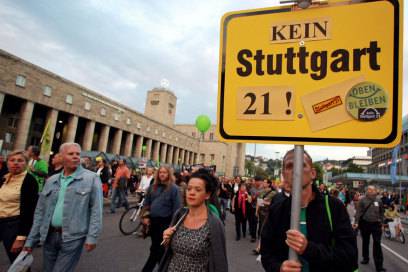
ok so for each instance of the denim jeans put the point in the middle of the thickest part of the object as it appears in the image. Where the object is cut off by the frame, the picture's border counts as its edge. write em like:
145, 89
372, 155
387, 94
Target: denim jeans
61, 256
118, 194
224, 206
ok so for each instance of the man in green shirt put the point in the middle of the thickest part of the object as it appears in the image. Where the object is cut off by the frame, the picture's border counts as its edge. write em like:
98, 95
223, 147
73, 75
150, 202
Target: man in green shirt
37, 166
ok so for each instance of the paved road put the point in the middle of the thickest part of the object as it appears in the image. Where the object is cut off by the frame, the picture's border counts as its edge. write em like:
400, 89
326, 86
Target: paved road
116, 252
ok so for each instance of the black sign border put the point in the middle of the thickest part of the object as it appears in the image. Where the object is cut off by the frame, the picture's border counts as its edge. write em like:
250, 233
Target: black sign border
390, 138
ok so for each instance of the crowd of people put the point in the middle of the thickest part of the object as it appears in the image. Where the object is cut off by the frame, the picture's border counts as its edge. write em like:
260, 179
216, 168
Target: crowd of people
60, 207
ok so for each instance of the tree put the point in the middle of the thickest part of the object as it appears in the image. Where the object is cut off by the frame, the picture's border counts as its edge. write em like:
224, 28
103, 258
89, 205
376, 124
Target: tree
336, 171
353, 168
249, 167
261, 173
272, 165
319, 171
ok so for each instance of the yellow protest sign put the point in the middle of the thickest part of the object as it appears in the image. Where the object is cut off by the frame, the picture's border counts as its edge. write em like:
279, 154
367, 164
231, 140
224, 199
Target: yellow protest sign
329, 75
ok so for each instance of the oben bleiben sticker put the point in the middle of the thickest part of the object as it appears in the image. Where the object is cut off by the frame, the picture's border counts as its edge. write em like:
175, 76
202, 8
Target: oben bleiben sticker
366, 101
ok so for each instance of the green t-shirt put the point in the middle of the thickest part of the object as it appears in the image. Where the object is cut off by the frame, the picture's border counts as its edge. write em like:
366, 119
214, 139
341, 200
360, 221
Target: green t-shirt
59, 207
40, 172
303, 229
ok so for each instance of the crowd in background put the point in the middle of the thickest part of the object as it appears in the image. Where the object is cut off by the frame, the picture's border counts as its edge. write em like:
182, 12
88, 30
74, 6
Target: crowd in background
210, 198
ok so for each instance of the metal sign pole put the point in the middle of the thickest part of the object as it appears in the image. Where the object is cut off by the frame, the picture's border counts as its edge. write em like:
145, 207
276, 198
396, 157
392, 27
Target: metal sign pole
297, 180
296, 193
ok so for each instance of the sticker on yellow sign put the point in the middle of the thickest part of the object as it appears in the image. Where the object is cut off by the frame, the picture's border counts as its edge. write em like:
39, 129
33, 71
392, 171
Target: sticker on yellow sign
265, 103
284, 74
367, 101
327, 104
324, 108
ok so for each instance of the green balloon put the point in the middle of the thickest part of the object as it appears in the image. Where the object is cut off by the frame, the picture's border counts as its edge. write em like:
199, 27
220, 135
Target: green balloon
203, 123
143, 148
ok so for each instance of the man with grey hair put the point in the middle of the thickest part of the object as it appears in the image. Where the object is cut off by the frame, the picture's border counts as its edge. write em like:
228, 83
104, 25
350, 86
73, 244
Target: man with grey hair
68, 214
369, 218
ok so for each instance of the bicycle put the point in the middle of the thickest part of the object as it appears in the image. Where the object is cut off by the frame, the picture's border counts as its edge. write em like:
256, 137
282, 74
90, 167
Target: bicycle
130, 221
400, 237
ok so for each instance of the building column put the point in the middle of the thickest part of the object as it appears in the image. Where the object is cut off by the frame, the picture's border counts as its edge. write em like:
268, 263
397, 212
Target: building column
138, 149
71, 129
163, 153
187, 157
88, 136
148, 149
2, 95
23, 126
128, 144
117, 139
156, 148
52, 116
176, 155
103, 139
190, 157
182, 156
170, 154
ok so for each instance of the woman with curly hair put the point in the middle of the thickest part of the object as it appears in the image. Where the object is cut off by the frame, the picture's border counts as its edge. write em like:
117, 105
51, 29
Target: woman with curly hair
196, 240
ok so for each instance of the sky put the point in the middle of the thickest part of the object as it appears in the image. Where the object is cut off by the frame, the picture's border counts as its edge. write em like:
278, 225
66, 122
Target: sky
123, 48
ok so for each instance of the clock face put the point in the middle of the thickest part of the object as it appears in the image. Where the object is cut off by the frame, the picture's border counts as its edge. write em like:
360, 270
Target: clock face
165, 83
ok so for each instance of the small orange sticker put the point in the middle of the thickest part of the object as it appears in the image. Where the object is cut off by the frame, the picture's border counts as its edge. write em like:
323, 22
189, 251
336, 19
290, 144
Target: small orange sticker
327, 104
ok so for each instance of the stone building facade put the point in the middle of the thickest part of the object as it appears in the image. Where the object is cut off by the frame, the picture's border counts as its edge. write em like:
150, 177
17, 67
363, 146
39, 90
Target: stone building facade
382, 157
161, 106
31, 97
226, 156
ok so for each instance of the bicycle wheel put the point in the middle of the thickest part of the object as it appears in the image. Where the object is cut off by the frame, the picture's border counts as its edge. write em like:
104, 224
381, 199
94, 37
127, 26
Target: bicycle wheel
401, 238
129, 221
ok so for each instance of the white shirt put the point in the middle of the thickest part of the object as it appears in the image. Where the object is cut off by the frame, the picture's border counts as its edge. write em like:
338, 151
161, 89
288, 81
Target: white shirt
236, 187
145, 182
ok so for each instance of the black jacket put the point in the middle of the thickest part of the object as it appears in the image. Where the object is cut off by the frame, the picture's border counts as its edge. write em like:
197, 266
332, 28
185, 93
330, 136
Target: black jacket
105, 175
218, 252
28, 202
238, 210
321, 254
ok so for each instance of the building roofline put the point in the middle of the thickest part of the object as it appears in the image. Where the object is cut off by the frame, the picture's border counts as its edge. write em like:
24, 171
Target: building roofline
67, 81
161, 89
